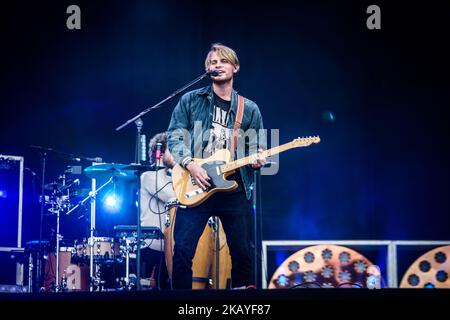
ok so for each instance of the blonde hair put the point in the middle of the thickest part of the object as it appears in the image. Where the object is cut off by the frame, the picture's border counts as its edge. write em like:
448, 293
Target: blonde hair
223, 52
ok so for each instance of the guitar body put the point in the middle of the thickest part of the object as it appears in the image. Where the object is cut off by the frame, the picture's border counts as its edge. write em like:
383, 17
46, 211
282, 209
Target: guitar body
189, 193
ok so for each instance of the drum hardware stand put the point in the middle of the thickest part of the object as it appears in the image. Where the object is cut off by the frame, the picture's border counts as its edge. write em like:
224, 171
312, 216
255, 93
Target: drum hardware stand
214, 224
30, 272
59, 206
138, 169
128, 248
64, 281
94, 281
58, 239
125, 250
216, 231
126, 282
39, 256
127, 263
97, 282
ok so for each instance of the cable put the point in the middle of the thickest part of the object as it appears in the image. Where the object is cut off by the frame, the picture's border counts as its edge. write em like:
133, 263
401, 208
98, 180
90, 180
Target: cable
160, 228
154, 197
307, 284
170, 236
353, 284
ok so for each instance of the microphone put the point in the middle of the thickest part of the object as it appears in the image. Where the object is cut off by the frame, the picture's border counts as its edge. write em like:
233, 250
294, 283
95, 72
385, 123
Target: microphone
214, 73
96, 159
158, 151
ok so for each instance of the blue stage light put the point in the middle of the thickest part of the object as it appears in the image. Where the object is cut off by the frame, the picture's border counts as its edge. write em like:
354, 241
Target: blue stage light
112, 202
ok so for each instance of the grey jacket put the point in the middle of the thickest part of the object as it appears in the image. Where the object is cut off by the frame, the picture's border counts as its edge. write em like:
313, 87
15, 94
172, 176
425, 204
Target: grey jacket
191, 121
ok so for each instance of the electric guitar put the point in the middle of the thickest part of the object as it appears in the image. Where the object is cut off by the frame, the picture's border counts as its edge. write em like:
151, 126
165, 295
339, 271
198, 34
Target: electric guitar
218, 167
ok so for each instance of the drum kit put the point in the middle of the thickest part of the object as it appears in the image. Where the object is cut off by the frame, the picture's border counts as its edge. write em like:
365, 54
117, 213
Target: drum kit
81, 265
100, 263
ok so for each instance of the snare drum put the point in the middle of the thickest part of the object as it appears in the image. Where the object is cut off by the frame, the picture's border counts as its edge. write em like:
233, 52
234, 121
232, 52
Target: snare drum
104, 249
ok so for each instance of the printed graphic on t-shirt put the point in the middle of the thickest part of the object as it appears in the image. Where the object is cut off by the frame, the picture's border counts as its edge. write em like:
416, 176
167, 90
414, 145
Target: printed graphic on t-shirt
220, 134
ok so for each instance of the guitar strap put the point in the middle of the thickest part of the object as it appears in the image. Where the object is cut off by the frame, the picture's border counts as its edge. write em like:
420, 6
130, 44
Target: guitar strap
237, 122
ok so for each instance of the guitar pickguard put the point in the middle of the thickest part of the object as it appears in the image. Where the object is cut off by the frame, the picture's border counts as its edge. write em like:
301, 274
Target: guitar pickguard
217, 178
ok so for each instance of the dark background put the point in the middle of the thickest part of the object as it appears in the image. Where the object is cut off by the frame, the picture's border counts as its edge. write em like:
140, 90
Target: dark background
381, 169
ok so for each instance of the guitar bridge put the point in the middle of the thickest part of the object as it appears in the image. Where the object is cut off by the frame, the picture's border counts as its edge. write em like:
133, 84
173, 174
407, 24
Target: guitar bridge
193, 193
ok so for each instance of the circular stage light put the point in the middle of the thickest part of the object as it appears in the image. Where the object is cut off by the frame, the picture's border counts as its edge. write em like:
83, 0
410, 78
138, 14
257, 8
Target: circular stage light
325, 266
429, 271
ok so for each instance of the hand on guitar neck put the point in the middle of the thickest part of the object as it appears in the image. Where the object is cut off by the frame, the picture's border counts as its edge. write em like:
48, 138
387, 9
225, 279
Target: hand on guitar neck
259, 161
199, 174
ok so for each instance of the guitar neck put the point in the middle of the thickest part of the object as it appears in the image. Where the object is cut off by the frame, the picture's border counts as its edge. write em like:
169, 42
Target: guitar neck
234, 165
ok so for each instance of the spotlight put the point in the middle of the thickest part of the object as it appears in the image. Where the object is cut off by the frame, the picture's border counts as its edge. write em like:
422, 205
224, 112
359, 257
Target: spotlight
112, 202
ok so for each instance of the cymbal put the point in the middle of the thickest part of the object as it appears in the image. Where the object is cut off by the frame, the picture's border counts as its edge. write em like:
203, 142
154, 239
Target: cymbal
116, 169
105, 170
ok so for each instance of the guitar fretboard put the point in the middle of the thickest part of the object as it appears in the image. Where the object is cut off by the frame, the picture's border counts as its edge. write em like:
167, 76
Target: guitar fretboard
248, 160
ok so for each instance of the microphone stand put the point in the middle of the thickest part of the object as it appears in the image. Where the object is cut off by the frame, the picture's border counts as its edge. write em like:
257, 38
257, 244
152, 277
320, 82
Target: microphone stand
138, 152
39, 257
139, 124
255, 220
257, 225
158, 105
93, 278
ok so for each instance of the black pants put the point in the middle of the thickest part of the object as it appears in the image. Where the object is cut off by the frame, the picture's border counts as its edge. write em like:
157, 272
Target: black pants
235, 212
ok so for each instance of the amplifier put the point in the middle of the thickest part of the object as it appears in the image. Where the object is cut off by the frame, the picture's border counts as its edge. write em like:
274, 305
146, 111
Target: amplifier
11, 200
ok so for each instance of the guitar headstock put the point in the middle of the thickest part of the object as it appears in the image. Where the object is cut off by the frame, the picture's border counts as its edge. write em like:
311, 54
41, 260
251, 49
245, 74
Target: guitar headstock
306, 141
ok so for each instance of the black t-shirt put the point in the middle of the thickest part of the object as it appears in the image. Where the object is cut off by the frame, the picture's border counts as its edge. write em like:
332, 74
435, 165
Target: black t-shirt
221, 135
